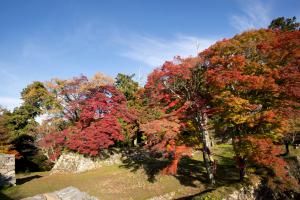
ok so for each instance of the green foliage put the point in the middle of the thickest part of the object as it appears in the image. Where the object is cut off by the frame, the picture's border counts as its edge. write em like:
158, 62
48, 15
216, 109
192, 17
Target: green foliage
18, 129
21, 121
127, 86
285, 24
37, 99
5, 136
129, 130
31, 157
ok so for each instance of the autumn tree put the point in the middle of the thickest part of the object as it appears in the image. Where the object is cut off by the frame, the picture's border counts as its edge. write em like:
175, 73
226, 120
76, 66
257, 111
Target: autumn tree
180, 89
68, 93
95, 113
254, 80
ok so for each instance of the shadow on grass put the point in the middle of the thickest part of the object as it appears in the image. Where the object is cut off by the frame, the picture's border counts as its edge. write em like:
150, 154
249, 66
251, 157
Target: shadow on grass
150, 163
4, 180
227, 174
4, 197
195, 195
189, 173
23, 180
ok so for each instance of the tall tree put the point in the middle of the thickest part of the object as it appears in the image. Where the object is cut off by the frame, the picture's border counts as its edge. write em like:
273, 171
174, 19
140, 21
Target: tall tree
254, 79
21, 127
180, 89
129, 87
5, 135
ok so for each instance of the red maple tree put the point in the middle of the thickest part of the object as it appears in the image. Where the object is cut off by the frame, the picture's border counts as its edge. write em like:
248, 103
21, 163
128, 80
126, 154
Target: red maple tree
99, 111
179, 88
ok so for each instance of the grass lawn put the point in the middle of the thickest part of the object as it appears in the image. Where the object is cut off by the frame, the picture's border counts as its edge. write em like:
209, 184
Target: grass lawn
294, 152
131, 180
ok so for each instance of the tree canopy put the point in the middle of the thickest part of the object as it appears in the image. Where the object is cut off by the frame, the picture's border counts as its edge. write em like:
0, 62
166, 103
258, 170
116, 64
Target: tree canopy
285, 24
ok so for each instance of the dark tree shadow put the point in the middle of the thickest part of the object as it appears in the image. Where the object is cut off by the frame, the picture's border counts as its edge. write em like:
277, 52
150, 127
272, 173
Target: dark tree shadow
3, 180
227, 172
106, 153
4, 197
189, 173
23, 180
190, 197
151, 163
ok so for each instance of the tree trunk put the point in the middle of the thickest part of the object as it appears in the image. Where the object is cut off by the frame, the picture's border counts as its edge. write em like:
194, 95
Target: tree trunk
287, 150
242, 173
241, 162
202, 120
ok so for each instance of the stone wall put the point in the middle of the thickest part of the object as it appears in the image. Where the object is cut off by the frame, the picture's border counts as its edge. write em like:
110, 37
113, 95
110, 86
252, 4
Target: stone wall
76, 163
247, 192
7, 170
244, 193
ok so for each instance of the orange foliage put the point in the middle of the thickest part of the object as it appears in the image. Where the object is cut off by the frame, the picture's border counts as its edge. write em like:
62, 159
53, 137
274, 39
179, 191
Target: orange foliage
161, 136
255, 78
265, 153
178, 152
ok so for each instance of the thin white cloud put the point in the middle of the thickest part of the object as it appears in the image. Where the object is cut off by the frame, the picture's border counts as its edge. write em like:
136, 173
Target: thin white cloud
153, 51
255, 14
10, 102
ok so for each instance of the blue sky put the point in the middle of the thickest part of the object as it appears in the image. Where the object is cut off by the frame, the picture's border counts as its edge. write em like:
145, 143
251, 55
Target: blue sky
41, 39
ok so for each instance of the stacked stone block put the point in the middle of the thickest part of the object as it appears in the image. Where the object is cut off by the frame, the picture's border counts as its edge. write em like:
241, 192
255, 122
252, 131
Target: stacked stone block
7, 170
77, 163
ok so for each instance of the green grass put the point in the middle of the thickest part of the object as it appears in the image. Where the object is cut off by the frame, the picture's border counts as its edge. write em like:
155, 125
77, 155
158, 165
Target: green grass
110, 182
131, 180
294, 152
221, 192
224, 154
